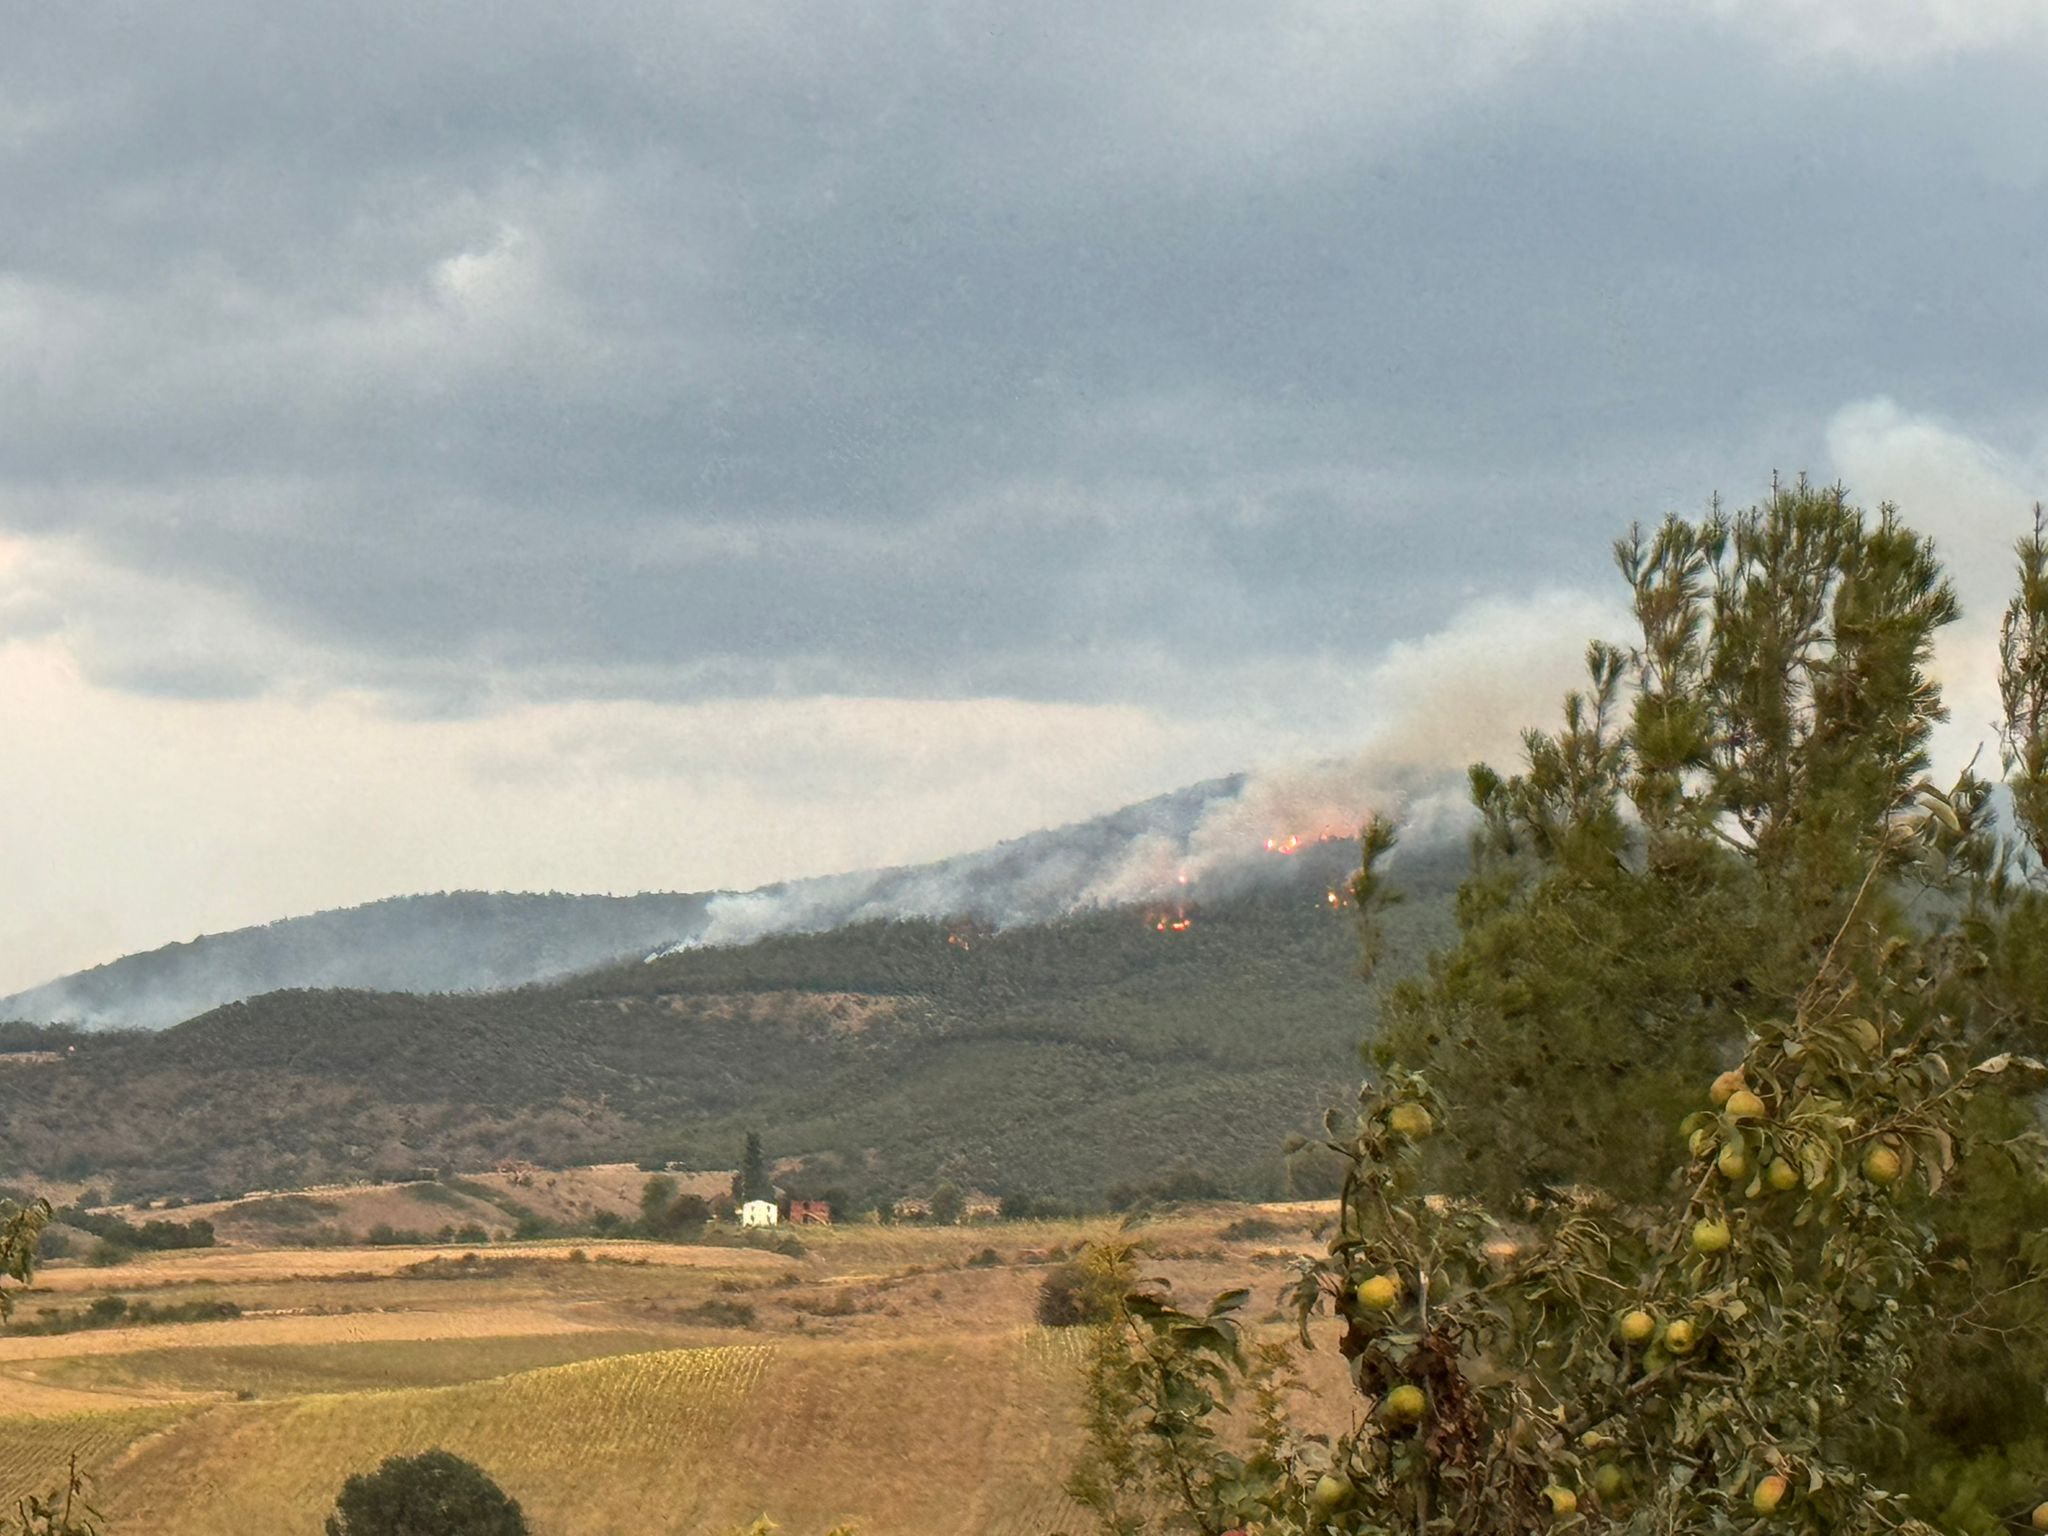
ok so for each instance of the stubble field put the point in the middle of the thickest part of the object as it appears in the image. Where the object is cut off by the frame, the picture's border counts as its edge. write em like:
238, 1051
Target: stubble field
893, 1377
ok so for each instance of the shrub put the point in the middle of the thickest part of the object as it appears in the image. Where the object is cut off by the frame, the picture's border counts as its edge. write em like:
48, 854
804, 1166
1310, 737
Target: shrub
1252, 1229
435, 1493
1071, 1297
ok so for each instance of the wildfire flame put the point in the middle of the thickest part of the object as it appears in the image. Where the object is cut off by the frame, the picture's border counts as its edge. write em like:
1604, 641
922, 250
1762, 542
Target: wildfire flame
1176, 921
1294, 842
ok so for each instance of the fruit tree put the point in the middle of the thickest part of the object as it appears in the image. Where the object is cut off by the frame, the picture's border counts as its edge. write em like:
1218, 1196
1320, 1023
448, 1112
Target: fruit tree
1652, 1220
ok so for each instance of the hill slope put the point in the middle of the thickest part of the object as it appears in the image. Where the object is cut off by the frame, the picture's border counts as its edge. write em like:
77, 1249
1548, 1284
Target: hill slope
473, 941
1054, 1057
454, 941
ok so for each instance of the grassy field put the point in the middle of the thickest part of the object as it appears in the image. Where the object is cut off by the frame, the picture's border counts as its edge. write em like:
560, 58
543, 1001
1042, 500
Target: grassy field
892, 1376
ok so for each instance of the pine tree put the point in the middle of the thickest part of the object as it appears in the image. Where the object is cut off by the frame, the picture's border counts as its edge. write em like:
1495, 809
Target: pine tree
754, 1182
1726, 1026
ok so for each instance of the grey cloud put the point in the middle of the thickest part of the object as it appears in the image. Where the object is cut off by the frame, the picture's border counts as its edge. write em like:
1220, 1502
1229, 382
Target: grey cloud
948, 349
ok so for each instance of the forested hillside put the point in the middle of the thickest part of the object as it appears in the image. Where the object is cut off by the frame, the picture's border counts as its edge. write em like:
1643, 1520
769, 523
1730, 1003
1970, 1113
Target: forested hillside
462, 941
449, 941
1051, 1059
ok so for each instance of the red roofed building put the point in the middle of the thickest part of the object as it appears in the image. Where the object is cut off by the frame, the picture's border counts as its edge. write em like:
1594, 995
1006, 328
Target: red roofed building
810, 1213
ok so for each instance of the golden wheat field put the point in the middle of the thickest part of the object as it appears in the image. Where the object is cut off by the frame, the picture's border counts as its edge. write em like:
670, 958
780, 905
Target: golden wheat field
890, 1377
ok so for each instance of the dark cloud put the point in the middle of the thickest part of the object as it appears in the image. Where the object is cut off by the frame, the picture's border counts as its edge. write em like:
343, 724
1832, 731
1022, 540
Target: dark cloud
956, 349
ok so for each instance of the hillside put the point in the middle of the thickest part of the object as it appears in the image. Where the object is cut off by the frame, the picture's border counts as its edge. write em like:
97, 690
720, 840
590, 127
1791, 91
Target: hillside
1050, 1058
453, 941
476, 941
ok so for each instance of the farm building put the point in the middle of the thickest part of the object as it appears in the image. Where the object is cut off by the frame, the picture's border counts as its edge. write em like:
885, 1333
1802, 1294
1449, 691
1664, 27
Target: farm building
810, 1213
758, 1213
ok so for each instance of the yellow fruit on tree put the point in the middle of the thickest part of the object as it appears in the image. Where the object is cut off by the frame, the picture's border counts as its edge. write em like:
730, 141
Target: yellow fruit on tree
1679, 1338
1410, 1120
1701, 1142
1881, 1165
1637, 1326
1331, 1490
1781, 1175
1770, 1493
1609, 1480
1726, 1086
2040, 1517
1710, 1236
1405, 1405
1378, 1293
1744, 1105
1562, 1500
1733, 1165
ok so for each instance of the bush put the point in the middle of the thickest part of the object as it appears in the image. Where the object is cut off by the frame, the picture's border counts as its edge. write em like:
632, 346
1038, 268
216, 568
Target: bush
1071, 1297
718, 1313
1252, 1229
119, 1312
433, 1494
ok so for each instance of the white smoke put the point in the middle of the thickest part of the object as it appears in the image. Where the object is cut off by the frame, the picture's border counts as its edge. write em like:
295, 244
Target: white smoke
1465, 693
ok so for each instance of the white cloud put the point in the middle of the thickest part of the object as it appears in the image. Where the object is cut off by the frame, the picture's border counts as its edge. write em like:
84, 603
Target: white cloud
1890, 34
1976, 501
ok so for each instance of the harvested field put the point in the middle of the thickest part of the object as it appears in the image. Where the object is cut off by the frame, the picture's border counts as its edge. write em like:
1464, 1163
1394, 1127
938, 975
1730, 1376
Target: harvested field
891, 1375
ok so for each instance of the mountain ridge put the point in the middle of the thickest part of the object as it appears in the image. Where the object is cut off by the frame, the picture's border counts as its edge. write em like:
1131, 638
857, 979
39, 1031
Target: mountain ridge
485, 941
1049, 1058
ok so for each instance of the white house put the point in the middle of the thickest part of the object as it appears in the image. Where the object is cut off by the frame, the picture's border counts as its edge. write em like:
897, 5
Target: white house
758, 1213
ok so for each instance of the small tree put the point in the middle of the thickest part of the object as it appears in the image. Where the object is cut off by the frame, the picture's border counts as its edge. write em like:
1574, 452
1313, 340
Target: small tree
20, 1228
65, 1511
754, 1181
1079, 1293
667, 1214
656, 1196
434, 1493
948, 1204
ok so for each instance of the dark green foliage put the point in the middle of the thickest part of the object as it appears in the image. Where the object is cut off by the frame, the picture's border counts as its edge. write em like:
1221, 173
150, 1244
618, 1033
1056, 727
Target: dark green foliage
666, 1214
1074, 1295
149, 1236
119, 1312
1727, 856
446, 941
1038, 1059
754, 1181
1666, 871
2023, 686
21, 1225
290, 1212
719, 1312
384, 1235
1169, 1189
432, 1494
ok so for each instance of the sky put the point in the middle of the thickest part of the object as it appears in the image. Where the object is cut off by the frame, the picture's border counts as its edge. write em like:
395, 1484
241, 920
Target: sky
674, 446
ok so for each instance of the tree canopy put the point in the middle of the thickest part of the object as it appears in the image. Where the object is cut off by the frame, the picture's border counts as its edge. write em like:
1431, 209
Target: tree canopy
435, 1493
1733, 1189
